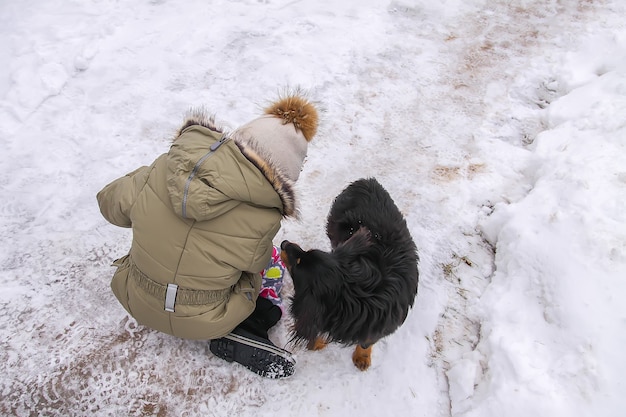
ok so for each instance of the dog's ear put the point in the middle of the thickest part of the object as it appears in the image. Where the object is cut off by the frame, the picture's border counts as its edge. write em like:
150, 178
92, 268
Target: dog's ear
359, 242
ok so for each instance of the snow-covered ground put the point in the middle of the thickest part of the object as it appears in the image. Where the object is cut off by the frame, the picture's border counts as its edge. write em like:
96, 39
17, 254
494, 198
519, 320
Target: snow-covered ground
499, 127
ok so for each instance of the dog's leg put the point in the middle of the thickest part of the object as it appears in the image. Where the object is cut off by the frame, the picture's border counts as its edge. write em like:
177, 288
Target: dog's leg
317, 344
362, 357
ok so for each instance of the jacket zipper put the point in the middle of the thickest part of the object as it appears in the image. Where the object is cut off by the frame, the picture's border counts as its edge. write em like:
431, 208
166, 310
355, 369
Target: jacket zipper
195, 169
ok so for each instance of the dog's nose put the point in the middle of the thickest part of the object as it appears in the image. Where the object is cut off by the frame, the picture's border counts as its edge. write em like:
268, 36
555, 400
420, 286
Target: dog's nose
284, 244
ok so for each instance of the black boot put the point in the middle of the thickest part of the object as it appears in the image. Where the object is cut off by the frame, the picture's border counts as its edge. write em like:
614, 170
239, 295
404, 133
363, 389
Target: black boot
249, 345
262, 319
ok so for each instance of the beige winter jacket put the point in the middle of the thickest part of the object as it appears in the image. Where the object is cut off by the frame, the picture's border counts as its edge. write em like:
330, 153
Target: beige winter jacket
204, 216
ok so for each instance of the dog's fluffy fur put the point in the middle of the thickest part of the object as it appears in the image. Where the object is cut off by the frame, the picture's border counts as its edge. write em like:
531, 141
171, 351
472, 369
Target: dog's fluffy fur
363, 289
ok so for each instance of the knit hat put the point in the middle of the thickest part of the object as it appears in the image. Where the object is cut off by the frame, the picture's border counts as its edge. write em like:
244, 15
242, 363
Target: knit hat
283, 133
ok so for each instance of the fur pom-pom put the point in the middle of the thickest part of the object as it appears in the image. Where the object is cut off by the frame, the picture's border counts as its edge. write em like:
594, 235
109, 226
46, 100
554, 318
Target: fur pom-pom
297, 110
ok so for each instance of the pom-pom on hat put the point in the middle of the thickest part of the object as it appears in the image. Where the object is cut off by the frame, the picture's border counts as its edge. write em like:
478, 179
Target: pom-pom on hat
283, 133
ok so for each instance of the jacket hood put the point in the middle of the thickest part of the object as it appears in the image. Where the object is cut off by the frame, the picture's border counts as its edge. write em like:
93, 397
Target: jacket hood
211, 171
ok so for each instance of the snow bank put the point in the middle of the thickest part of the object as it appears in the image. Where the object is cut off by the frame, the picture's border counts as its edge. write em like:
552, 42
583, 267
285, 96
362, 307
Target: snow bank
553, 318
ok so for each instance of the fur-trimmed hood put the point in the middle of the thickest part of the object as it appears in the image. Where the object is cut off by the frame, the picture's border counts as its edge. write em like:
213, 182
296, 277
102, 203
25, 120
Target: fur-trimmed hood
212, 169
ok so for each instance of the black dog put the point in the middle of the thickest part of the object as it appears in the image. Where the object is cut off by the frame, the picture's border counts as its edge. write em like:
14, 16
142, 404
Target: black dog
362, 290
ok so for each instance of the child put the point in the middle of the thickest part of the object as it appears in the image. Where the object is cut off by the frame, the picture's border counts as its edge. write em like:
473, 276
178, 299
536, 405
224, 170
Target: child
203, 217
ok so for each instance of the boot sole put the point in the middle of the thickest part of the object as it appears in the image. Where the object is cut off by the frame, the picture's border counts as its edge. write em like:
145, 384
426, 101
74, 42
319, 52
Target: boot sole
262, 359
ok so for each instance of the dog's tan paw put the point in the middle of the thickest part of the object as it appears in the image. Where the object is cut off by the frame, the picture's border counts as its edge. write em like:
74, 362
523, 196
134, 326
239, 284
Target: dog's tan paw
362, 358
317, 344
